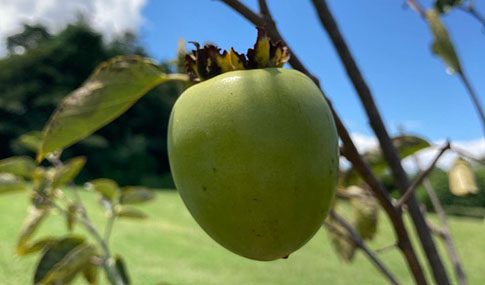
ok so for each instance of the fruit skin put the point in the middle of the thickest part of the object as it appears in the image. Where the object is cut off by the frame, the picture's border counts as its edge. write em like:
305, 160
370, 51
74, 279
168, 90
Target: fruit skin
254, 155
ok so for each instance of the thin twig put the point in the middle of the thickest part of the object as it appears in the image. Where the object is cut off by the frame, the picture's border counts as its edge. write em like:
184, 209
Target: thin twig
386, 248
404, 198
359, 242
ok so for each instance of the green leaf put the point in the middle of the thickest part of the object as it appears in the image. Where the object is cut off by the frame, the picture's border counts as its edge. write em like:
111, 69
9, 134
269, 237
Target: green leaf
68, 172
31, 224
135, 195
31, 140
126, 212
11, 183
18, 165
442, 45
111, 90
408, 145
90, 273
36, 246
106, 187
121, 267
444, 6
63, 260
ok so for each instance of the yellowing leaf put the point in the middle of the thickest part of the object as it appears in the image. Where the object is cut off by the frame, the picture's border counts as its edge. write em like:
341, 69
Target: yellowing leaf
111, 90
366, 213
442, 45
461, 178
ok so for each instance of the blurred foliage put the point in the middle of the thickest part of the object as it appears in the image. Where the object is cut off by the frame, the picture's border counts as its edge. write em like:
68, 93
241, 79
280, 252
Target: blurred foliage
42, 68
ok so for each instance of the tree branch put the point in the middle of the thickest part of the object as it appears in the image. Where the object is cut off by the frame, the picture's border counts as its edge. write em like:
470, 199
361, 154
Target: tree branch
388, 149
359, 242
404, 198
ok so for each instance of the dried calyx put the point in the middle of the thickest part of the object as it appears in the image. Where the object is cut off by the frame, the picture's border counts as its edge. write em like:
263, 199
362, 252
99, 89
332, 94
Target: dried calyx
207, 62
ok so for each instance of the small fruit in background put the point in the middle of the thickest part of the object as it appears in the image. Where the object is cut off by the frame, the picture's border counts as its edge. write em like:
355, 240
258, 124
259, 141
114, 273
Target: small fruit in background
461, 178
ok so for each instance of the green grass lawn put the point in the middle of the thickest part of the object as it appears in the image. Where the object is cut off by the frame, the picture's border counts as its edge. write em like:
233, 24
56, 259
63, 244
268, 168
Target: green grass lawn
170, 247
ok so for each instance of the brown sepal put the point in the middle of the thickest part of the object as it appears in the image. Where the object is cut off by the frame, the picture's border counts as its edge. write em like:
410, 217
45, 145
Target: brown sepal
207, 62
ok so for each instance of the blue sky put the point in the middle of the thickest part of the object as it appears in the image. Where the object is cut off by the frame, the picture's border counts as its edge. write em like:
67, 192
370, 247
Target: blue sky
390, 44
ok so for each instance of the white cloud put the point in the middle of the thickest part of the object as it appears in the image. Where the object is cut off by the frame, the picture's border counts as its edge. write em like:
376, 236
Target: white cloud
110, 17
475, 147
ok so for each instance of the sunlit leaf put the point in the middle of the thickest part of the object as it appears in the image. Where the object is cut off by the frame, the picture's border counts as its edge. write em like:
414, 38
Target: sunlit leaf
62, 261
31, 140
18, 165
461, 178
106, 187
68, 171
121, 267
111, 90
135, 194
11, 183
31, 224
126, 212
442, 45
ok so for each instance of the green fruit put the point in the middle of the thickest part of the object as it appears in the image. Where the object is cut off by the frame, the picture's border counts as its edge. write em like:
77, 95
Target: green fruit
254, 155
